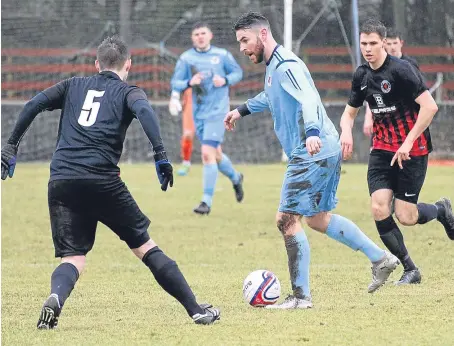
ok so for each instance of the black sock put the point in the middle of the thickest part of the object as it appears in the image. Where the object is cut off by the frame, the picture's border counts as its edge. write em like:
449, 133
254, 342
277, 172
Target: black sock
393, 239
63, 280
426, 212
440, 211
171, 279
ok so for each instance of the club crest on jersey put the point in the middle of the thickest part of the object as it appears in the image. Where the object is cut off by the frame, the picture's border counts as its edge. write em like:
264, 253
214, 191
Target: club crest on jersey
385, 86
215, 60
268, 82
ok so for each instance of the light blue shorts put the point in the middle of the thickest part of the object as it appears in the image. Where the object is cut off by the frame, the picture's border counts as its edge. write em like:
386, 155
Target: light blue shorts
310, 187
210, 131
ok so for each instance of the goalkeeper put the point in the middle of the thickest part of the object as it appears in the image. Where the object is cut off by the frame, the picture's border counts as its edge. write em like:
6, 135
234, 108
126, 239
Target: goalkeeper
209, 71
175, 107
85, 187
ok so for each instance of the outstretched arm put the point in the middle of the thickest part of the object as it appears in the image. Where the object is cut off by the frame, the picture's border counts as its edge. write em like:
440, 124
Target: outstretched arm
51, 98
257, 104
139, 106
149, 122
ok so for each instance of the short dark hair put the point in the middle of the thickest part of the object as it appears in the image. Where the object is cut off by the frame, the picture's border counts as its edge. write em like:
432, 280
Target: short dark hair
250, 19
393, 33
199, 25
373, 26
112, 53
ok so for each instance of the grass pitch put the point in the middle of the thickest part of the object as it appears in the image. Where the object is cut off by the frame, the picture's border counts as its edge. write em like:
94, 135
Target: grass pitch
117, 302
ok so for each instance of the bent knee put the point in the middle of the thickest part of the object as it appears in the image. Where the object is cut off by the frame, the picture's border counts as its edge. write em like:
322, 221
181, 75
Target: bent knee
286, 223
380, 211
319, 222
208, 155
143, 249
407, 217
77, 261
219, 154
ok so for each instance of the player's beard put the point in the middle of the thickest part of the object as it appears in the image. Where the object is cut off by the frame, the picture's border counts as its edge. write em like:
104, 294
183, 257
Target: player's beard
259, 51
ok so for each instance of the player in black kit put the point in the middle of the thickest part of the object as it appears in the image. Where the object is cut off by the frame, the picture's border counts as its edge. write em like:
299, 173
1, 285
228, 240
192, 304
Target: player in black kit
402, 109
85, 187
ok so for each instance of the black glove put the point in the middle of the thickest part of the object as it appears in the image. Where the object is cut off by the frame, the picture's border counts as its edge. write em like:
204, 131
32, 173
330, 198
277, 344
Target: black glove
9, 152
163, 169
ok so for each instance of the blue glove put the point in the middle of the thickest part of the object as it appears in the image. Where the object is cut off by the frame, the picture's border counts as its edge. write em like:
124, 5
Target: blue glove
164, 170
9, 152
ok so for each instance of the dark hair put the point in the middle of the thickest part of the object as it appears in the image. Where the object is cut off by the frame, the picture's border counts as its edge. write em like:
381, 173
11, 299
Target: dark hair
199, 25
250, 19
373, 26
393, 33
112, 53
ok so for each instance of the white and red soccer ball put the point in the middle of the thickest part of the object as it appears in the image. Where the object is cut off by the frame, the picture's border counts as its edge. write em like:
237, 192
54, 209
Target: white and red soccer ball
260, 288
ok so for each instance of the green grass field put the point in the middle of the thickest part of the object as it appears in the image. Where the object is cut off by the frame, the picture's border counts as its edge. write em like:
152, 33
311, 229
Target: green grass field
117, 302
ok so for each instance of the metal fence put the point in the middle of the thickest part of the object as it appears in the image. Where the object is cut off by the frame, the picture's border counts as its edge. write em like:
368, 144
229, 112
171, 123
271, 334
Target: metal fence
253, 141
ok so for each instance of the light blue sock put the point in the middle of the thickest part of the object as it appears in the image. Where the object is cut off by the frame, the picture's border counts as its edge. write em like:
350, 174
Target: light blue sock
210, 174
226, 168
299, 254
346, 232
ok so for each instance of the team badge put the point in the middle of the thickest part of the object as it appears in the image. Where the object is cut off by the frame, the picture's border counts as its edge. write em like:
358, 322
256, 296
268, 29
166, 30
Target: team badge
215, 60
269, 81
385, 86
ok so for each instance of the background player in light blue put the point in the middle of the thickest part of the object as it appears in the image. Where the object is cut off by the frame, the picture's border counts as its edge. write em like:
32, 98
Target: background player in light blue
210, 71
311, 143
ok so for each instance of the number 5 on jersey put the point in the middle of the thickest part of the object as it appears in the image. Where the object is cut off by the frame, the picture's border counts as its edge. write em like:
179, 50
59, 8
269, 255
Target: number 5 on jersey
90, 108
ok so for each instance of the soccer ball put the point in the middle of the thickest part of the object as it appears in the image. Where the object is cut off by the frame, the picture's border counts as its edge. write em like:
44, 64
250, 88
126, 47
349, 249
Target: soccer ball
261, 287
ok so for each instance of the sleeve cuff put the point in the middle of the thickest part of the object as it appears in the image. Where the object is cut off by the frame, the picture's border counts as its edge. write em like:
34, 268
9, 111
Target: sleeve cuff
313, 133
160, 154
243, 110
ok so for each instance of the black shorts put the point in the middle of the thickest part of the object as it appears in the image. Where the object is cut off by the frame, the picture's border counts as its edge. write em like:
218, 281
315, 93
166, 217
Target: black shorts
76, 206
405, 183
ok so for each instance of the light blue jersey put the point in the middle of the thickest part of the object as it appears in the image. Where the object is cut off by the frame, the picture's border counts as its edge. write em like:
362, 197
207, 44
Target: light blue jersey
208, 101
310, 182
296, 107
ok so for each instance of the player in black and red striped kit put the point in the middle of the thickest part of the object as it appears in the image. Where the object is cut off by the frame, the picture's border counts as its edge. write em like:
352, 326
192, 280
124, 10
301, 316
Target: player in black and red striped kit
402, 109
393, 46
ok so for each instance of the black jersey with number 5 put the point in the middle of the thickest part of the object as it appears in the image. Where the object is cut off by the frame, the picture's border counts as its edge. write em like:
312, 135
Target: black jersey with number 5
96, 112
391, 91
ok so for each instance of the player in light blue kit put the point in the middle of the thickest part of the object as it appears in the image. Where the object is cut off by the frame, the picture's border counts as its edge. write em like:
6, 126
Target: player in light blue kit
209, 71
311, 143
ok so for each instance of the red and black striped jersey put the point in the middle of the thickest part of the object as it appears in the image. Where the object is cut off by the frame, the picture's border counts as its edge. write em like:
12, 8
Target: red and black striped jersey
391, 91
